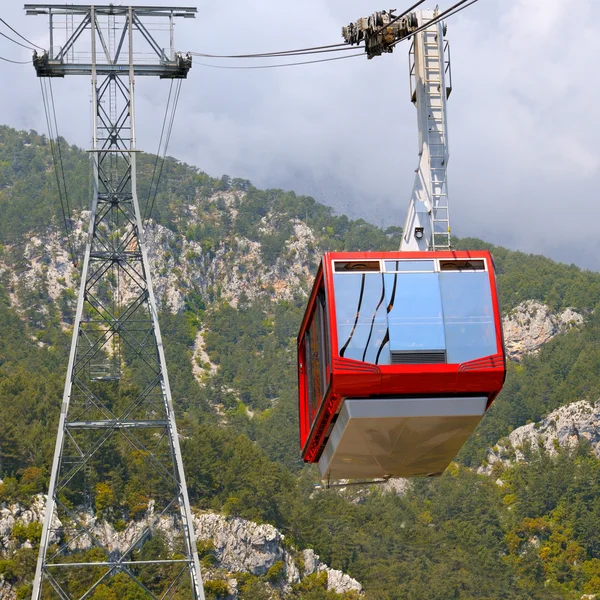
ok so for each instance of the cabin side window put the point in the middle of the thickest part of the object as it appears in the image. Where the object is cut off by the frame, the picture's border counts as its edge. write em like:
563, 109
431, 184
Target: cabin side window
317, 352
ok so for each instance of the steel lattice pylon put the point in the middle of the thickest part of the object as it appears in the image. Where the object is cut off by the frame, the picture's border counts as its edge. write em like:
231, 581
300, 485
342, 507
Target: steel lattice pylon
117, 453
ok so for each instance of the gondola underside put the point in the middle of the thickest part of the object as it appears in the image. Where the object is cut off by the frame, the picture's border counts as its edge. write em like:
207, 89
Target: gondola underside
398, 437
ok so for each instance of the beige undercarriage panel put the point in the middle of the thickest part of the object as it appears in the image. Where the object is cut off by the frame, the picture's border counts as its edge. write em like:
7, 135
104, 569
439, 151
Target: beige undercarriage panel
398, 437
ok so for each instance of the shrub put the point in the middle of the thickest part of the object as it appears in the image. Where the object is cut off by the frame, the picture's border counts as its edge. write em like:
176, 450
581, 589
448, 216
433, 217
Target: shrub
275, 572
215, 589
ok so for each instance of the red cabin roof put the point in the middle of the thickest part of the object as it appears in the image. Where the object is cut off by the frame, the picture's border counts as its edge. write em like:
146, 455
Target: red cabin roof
414, 341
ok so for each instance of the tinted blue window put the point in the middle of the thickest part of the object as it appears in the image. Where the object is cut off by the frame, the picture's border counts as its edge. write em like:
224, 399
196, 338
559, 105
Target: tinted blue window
317, 355
468, 316
361, 316
409, 265
381, 313
415, 312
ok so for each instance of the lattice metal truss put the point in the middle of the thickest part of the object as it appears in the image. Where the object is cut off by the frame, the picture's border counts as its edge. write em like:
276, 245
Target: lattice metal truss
427, 225
117, 456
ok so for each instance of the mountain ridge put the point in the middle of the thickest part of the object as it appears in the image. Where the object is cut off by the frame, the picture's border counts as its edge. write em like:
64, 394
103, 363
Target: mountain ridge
461, 535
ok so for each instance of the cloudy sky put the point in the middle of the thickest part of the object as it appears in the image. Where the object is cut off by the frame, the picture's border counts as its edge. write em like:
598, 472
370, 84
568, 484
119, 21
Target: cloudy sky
523, 117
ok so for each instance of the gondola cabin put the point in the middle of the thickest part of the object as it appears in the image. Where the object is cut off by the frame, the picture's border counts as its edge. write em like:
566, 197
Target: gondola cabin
399, 356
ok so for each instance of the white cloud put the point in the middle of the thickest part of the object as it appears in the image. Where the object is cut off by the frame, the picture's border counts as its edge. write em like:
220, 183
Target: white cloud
522, 117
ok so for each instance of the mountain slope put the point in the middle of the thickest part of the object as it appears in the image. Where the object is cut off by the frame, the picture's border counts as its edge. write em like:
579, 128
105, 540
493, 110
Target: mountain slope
232, 266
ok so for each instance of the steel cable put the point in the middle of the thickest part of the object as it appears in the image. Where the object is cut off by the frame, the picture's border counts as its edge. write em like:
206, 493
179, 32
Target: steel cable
21, 36
276, 54
157, 157
15, 42
399, 17
303, 51
16, 62
313, 50
454, 9
50, 113
306, 62
166, 145
449, 12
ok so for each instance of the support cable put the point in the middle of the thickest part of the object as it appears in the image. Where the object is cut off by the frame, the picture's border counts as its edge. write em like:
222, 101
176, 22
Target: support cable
462, 7
316, 50
16, 62
21, 36
50, 113
449, 12
62, 169
395, 19
62, 166
167, 138
158, 153
311, 50
306, 62
16, 42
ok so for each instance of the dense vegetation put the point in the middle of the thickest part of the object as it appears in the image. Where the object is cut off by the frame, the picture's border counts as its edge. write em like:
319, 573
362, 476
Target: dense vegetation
460, 536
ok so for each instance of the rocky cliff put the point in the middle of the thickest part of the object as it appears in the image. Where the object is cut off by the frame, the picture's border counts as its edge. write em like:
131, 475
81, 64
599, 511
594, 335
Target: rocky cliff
531, 324
564, 427
38, 271
235, 546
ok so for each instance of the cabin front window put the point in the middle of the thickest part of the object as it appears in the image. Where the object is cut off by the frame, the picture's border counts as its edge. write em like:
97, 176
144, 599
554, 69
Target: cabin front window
468, 316
406, 314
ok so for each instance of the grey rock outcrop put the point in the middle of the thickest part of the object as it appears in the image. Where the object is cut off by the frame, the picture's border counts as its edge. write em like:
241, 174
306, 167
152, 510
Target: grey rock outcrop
240, 546
244, 546
6, 590
532, 324
565, 427
398, 485
336, 580
230, 269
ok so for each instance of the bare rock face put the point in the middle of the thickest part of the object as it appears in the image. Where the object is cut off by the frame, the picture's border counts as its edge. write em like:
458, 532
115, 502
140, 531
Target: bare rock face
230, 269
398, 485
244, 546
240, 546
564, 427
532, 324
6, 590
340, 582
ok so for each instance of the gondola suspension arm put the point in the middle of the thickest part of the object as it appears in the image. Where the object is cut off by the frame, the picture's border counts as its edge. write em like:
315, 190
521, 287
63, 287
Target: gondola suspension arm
427, 225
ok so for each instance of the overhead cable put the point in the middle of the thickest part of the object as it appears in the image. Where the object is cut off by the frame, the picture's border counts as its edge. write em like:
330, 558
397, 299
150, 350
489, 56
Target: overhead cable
300, 52
408, 10
463, 7
449, 12
16, 62
454, 9
306, 62
16, 42
21, 36
54, 139
165, 134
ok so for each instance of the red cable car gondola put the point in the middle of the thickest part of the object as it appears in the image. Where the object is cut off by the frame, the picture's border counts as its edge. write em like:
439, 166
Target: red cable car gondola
399, 356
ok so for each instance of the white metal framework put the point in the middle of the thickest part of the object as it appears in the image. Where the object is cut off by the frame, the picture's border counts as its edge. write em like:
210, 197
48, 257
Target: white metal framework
117, 423
427, 225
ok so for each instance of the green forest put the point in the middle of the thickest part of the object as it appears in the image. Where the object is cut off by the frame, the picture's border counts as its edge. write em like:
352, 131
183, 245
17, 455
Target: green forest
530, 531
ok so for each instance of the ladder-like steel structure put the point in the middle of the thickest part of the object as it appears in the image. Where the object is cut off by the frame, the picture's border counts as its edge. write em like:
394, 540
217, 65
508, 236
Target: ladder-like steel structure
117, 456
427, 225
